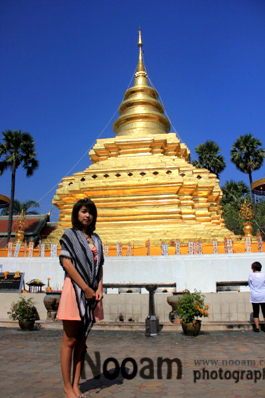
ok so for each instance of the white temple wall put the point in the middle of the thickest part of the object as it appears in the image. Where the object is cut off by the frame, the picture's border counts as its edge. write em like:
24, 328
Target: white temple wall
191, 272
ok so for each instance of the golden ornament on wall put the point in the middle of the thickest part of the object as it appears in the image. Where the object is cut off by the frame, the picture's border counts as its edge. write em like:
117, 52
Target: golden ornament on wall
246, 214
21, 224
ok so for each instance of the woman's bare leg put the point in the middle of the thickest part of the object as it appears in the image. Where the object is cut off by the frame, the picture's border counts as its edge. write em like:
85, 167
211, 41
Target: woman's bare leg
69, 341
256, 321
78, 360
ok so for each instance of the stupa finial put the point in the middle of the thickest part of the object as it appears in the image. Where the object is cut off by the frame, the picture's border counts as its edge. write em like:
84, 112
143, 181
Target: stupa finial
140, 67
140, 43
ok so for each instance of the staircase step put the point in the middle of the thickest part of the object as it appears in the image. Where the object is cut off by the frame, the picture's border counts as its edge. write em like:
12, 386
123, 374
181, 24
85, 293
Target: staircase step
136, 326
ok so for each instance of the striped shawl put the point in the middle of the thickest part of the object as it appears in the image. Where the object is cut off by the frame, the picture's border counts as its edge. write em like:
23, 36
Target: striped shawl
74, 246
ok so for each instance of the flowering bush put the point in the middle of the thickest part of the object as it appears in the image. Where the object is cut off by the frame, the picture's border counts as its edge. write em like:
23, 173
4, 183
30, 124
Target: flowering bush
23, 310
191, 306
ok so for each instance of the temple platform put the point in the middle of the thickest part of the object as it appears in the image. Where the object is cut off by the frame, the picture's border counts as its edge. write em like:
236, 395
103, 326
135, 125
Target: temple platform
222, 278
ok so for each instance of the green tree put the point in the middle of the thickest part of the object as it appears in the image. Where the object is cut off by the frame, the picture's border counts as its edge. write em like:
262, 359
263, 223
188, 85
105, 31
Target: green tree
231, 218
234, 192
19, 206
247, 155
17, 149
209, 158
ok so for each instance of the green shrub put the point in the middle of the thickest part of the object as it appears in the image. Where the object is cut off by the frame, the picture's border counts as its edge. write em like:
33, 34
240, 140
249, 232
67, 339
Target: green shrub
191, 306
23, 310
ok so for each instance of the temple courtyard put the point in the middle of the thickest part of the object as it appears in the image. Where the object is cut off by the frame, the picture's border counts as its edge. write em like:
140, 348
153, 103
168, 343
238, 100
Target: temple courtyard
213, 364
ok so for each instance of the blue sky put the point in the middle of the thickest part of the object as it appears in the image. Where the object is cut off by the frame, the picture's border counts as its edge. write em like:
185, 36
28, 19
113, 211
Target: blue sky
65, 65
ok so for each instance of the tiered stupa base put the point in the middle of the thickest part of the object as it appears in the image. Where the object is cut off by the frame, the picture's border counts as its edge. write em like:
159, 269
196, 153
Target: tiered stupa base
156, 196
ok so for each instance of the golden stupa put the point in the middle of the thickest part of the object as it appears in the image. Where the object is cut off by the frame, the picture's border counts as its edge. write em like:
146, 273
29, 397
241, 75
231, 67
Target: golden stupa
142, 181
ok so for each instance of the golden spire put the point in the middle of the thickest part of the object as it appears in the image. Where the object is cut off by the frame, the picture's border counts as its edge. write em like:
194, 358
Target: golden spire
141, 114
140, 70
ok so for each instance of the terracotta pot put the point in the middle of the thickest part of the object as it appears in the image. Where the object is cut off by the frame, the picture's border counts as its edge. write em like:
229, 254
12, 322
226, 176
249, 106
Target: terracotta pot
191, 329
27, 325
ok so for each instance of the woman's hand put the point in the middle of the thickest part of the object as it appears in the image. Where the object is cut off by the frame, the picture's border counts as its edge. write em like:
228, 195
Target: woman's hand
99, 294
89, 293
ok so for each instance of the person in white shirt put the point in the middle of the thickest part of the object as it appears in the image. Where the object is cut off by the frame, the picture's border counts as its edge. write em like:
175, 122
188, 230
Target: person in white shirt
256, 282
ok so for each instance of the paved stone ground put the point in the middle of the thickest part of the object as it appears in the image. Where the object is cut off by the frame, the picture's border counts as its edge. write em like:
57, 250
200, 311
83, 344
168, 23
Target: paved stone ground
30, 364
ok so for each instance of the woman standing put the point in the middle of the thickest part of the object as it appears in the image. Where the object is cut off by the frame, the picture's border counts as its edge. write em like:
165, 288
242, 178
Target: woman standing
82, 259
256, 282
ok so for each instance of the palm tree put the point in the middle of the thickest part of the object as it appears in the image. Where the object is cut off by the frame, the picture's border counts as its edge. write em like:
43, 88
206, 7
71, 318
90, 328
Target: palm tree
208, 157
17, 149
234, 192
247, 156
19, 206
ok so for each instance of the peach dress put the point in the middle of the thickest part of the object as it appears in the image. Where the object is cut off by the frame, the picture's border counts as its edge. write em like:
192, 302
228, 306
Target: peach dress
68, 308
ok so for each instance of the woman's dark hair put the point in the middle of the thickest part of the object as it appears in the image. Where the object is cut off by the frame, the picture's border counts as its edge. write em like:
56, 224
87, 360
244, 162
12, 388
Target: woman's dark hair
256, 266
92, 210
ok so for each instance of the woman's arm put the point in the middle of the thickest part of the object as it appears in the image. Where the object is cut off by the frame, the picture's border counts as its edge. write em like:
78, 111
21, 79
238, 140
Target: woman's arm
72, 272
99, 291
250, 282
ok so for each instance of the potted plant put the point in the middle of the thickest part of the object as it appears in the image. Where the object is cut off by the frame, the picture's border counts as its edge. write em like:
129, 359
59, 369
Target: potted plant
190, 307
24, 312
